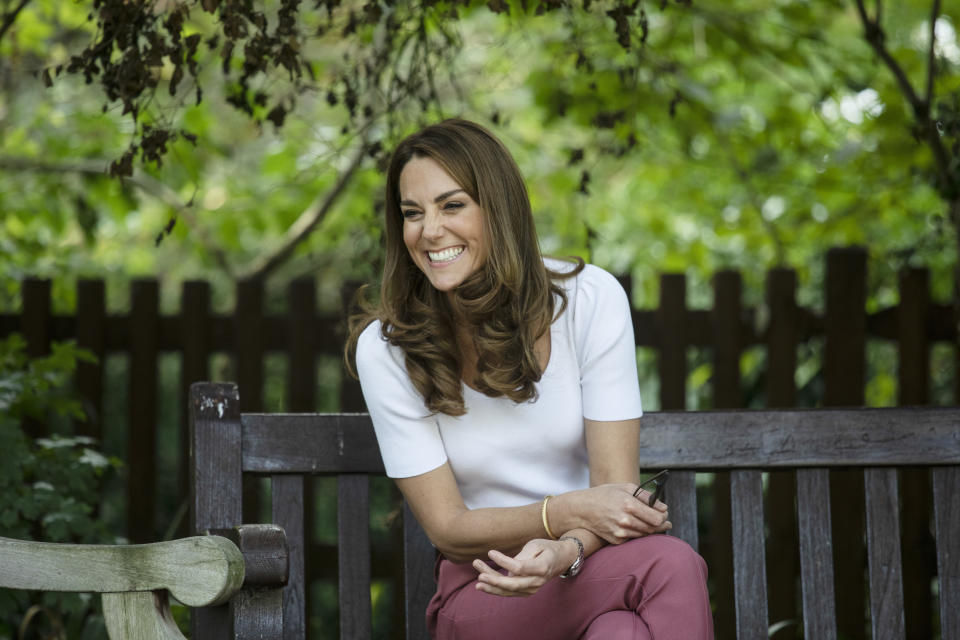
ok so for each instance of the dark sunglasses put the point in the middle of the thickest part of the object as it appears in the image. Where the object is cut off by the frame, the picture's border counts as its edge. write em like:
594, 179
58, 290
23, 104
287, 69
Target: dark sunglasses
659, 482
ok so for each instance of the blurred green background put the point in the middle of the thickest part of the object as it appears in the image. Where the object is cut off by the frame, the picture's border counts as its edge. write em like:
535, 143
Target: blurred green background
249, 141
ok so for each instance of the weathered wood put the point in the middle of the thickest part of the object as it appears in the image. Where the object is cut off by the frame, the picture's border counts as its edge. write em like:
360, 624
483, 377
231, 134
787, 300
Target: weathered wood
726, 328
816, 554
946, 509
91, 311
883, 547
749, 567
257, 614
782, 337
844, 372
419, 558
139, 616
682, 500
299, 443
289, 512
142, 412
353, 537
216, 480
743, 441
913, 384
801, 438
198, 571
258, 610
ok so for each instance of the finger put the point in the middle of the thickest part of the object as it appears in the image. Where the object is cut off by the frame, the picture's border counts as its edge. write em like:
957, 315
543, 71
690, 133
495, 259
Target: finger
483, 568
499, 584
495, 591
503, 560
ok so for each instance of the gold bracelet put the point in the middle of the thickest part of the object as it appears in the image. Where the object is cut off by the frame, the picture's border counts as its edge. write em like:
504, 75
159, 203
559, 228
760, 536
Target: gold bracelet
543, 515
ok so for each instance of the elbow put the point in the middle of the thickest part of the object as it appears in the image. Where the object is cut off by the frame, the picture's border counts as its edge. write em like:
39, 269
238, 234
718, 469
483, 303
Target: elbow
455, 553
457, 558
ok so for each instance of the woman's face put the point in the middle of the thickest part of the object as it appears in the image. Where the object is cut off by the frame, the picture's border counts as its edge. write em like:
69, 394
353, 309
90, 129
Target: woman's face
442, 225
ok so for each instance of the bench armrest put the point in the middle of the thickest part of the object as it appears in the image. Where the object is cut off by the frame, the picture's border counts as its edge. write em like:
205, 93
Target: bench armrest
198, 571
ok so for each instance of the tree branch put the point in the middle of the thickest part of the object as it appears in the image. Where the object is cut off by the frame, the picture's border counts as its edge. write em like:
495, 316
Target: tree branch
306, 222
931, 59
142, 181
921, 108
10, 18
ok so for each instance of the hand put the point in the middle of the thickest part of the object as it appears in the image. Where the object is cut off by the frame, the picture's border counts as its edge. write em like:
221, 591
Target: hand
613, 513
538, 562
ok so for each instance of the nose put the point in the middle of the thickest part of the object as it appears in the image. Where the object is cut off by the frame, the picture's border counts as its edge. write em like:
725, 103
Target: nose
432, 225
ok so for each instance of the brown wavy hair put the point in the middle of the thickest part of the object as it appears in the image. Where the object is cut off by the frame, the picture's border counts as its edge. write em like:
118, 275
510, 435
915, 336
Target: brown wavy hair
506, 305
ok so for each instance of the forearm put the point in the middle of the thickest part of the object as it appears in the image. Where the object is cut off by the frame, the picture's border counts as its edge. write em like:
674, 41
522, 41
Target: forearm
471, 533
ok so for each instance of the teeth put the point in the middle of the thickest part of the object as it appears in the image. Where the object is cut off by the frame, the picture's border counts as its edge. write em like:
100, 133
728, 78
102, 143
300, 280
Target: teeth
446, 255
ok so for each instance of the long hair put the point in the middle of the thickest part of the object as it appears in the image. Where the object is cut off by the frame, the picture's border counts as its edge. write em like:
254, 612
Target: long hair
507, 304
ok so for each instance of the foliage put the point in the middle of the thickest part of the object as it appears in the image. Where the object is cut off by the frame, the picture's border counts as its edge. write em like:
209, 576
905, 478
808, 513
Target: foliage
49, 488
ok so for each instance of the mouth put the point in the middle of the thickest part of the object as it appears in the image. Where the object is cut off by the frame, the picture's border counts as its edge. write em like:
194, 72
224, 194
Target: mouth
446, 255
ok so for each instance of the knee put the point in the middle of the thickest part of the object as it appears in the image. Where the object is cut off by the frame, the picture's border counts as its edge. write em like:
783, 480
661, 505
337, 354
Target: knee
677, 562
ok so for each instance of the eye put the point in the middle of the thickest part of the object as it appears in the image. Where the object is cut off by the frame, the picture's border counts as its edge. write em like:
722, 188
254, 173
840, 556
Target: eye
452, 206
410, 214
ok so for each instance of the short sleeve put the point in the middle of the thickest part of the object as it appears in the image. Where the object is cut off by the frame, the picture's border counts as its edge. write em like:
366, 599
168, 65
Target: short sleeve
606, 351
409, 438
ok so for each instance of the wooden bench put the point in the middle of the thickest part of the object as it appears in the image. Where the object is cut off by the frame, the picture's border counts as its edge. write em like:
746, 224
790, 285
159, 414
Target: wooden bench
227, 445
244, 570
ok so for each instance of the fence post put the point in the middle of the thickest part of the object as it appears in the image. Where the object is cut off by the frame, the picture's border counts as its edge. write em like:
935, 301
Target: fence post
913, 376
249, 352
727, 340
91, 331
845, 325
301, 394
195, 336
143, 329
783, 334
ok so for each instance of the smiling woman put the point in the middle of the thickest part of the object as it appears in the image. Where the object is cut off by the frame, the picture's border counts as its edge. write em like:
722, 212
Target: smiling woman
503, 390
442, 224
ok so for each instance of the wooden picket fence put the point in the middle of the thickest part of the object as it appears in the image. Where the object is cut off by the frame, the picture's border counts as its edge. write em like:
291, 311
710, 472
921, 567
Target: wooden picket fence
727, 329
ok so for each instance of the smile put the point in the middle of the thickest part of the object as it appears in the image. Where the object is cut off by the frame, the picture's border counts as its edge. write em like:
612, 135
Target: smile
446, 255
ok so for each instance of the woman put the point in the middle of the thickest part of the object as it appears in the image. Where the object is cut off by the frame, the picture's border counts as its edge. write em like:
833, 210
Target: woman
503, 391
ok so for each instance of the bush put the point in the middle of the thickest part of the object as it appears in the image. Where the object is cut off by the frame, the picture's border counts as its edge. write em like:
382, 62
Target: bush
50, 488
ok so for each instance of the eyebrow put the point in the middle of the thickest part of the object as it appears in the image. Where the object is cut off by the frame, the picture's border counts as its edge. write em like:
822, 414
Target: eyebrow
440, 198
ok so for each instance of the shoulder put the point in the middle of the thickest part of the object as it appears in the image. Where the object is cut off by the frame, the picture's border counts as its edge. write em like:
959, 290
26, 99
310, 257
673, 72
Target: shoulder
589, 286
374, 351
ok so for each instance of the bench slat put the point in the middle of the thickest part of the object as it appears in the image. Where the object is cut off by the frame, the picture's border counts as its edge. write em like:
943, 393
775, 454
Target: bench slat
883, 553
302, 443
749, 565
288, 512
789, 438
419, 558
682, 500
353, 538
216, 480
946, 509
816, 553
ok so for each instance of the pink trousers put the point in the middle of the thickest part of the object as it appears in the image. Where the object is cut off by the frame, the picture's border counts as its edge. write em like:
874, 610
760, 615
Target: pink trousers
651, 588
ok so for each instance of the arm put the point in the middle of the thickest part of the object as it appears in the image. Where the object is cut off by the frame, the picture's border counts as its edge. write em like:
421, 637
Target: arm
612, 448
606, 512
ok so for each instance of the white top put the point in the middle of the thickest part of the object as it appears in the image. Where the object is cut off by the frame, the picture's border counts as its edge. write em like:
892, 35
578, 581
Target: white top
505, 454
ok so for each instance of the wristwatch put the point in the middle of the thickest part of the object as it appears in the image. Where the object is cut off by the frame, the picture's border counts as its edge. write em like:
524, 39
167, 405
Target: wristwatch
578, 563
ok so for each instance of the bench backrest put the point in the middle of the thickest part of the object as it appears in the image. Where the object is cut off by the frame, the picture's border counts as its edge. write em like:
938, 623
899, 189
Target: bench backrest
226, 444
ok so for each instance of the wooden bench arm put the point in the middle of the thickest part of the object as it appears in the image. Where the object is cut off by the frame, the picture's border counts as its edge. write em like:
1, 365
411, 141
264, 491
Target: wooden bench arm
198, 571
